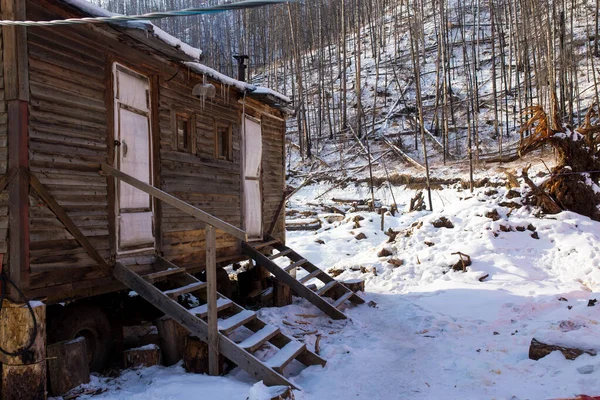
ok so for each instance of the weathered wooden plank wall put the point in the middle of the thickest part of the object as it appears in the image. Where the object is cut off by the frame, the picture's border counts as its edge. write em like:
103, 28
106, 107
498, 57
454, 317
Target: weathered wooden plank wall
273, 173
67, 133
3, 161
197, 176
70, 113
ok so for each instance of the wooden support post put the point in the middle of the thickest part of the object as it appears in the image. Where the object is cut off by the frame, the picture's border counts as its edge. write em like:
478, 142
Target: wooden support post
171, 336
16, 94
211, 298
24, 375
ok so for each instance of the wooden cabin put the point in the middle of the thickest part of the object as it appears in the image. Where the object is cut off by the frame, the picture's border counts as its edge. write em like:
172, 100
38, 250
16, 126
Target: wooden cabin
125, 164
78, 96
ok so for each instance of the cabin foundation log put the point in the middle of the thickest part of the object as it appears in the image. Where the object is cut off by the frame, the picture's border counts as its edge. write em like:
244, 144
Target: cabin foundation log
282, 294
21, 382
146, 356
68, 366
23, 375
196, 357
172, 339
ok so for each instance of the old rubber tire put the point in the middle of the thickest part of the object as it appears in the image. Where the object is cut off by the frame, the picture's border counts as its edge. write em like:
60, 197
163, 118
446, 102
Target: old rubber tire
90, 322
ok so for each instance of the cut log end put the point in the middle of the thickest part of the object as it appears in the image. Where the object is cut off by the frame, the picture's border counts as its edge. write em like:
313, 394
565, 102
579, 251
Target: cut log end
146, 356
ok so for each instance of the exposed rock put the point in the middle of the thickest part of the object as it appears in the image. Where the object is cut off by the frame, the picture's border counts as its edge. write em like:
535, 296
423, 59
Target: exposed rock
396, 262
493, 215
335, 272
512, 194
443, 222
384, 252
360, 236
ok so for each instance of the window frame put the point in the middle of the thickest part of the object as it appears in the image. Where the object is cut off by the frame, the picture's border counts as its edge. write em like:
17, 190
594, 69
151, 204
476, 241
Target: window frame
190, 117
227, 128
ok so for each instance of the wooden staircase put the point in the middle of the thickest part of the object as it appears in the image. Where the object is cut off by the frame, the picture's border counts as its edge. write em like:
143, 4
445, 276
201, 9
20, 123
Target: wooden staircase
330, 287
232, 319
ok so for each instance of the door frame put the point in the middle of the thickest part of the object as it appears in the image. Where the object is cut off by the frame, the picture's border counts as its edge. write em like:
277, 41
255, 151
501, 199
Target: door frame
117, 105
243, 176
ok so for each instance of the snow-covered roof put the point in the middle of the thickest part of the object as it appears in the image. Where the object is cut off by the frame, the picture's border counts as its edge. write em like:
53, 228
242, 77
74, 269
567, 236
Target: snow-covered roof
271, 92
95, 11
204, 70
272, 97
240, 85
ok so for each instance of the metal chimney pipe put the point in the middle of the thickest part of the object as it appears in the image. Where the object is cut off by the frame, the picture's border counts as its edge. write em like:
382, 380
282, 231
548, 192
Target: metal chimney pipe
241, 59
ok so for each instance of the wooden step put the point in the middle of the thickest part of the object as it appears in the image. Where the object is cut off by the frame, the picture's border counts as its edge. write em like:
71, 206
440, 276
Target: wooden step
192, 287
295, 265
262, 245
202, 311
232, 323
296, 286
280, 254
327, 288
259, 338
310, 276
285, 355
199, 328
343, 299
161, 274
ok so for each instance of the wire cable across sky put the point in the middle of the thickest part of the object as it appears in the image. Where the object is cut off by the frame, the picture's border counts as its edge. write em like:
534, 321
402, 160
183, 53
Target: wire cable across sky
245, 4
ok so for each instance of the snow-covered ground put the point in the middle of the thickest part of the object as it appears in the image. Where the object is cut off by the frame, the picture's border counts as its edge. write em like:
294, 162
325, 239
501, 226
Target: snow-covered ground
434, 332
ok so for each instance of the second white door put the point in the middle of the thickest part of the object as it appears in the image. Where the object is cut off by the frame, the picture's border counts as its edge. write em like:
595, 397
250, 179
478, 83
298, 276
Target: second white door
252, 170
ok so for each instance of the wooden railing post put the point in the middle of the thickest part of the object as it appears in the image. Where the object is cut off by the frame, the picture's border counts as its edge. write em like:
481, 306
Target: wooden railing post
211, 297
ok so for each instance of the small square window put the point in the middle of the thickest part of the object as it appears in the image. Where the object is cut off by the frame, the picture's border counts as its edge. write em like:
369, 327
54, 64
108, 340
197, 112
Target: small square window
223, 143
183, 132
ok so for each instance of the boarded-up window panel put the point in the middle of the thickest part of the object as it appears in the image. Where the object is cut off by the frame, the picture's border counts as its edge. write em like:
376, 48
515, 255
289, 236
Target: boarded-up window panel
253, 153
135, 230
134, 133
253, 217
223, 145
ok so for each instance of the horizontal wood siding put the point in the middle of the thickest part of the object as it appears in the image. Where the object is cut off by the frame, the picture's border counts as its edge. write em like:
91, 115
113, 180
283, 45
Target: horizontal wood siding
273, 177
3, 161
69, 129
67, 140
198, 178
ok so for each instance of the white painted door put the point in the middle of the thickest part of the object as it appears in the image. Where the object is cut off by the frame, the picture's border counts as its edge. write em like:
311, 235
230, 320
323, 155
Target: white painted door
133, 157
252, 169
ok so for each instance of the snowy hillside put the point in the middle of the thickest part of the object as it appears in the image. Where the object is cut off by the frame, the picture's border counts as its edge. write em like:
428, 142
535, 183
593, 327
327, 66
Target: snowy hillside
430, 331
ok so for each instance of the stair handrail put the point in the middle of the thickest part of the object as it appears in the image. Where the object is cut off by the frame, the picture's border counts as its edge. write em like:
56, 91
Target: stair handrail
211, 222
177, 203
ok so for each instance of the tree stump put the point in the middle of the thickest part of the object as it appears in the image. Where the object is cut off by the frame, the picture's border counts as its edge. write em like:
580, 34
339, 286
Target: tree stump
539, 350
146, 356
24, 375
282, 294
68, 366
356, 285
195, 356
172, 339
